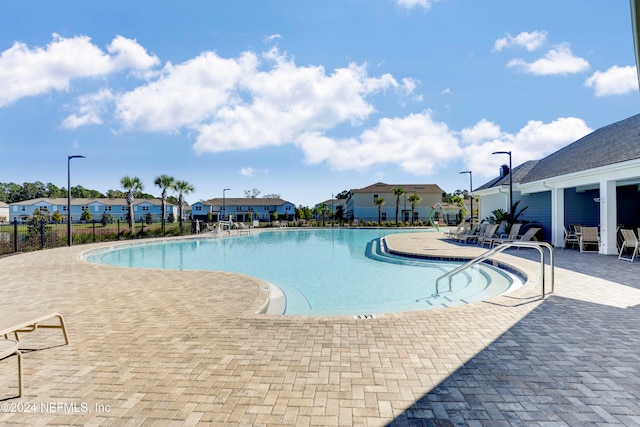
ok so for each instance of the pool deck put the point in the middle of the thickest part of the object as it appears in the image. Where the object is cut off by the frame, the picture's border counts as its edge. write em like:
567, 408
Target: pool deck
164, 348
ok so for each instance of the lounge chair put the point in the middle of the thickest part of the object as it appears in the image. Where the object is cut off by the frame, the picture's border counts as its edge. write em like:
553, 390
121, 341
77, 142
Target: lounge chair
513, 235
570, 238
529, 235
589, 237
21, 322
489, 234
473, 234
9, 348
25, 321
453, 233
631, 242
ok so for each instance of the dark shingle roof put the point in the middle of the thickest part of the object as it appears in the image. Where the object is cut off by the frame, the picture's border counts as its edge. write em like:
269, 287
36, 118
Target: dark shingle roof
611, 144
519, 173
381, 187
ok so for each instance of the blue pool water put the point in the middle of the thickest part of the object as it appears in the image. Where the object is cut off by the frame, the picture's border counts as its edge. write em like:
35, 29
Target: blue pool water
321, 272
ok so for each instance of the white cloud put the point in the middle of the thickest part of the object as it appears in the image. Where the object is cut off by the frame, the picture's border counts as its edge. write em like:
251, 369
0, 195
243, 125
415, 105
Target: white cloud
28, 72
530, 41
186, 94
415, 143
272, 38
272, 107
534, 141
410, 4
89, 109
556, 61
247, 171
615, 81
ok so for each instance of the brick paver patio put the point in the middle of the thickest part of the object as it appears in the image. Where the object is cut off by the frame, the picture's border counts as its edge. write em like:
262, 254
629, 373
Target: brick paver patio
163, 348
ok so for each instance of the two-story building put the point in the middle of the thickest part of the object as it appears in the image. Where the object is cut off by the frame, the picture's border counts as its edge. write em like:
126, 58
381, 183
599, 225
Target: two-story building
243, 209
117, 208
361, 202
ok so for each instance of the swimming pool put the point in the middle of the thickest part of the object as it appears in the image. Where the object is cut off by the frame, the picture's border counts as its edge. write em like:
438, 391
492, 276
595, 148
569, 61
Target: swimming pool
322, 272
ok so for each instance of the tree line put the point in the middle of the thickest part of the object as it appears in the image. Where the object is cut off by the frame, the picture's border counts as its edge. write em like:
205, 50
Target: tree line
10, 192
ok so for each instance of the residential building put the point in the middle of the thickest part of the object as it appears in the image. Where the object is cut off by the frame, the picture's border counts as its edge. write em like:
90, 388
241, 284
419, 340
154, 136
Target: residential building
361, 202
243, 209
594, 181
117, 208
332, 205
4, 212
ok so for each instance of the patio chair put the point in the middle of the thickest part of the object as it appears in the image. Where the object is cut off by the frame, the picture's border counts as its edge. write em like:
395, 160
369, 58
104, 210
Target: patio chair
528, 236
473, 234
28, 321
589, 237
9, 348
489, 234
631, 242
570, 237
513, 235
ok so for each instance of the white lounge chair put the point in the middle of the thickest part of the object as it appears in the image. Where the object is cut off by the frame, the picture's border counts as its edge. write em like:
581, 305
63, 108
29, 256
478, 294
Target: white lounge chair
25, 321
589, 237
489, 234
630, 242
570, 238
513, 235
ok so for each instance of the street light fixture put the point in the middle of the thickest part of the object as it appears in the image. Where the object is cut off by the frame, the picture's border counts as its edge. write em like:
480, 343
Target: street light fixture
470, 195
223, 202
69, 196
510, 181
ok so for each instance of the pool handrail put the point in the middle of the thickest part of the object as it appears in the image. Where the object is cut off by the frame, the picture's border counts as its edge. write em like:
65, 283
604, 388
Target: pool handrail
500, 248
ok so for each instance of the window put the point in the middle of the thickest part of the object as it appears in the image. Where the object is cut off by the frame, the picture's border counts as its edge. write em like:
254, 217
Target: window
145, 209
107, 208
64, 209
23, 208
124, 208
383, 216
198, 208
375, 197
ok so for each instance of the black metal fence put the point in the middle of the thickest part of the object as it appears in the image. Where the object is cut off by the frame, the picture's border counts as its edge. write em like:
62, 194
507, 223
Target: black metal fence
38, 234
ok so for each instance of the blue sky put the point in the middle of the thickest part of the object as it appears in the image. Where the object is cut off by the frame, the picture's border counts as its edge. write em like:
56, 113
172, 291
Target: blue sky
304, 99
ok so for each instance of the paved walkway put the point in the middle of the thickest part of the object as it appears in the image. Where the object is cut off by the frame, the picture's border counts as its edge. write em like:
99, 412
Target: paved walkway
188, 348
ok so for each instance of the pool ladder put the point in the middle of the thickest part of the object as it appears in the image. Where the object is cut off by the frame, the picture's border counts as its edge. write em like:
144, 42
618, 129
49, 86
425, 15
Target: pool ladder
536, 245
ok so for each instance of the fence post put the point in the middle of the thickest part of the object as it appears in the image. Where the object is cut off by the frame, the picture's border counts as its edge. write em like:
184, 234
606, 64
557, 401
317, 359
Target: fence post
42, 234
94, 231
118, 236
15, 234
142, 232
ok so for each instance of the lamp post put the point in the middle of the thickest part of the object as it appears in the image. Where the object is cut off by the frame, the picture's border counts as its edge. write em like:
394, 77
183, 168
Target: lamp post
69, 196
223, 202
470, 195
510, 181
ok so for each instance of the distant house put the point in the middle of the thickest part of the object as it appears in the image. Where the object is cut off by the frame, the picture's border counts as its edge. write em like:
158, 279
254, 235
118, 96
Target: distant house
242, 209
595, 181
332, 205
4, 212
117, 208
361, 202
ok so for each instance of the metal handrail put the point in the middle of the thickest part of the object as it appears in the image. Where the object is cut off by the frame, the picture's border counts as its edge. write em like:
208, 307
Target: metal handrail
500, 248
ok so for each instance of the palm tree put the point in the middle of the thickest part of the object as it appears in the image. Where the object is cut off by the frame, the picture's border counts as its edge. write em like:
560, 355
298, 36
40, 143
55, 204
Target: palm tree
183, 188
132, 185
414, 199
398, 191
380, 202
164, 182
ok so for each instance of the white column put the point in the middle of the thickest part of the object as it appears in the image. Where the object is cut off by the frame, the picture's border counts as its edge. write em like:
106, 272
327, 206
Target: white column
557, 217
608, 218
